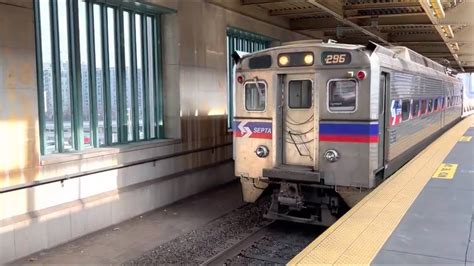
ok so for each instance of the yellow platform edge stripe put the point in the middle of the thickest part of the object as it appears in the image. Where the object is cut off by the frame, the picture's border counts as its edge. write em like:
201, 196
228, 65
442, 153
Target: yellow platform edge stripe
358, 236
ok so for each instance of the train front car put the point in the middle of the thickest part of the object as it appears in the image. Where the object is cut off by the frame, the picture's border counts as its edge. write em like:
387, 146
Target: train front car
306, 125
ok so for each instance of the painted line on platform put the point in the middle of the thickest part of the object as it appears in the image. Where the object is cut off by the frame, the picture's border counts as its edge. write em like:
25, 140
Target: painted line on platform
445, 171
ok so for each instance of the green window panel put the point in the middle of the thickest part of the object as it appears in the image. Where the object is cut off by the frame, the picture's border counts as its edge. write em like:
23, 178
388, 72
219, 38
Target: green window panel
99, 74
244, 41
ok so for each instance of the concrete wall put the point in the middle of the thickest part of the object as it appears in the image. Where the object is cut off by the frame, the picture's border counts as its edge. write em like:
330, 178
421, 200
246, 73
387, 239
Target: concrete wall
196, 155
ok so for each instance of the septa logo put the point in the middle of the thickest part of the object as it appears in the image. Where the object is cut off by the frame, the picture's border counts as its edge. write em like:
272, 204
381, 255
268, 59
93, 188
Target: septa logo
260, 130
396, 112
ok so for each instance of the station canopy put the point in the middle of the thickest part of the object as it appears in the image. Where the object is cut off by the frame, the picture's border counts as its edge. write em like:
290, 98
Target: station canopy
442, 30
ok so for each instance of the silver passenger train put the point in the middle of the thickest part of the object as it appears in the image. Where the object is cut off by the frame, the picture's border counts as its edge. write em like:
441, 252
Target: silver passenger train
322, 124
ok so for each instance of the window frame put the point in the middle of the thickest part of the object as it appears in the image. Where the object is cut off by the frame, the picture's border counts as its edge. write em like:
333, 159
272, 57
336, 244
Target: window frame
245, 96
235, 40
412, 108
430, 106
423, 111
409, 109
74, 26
312, 95
356, 107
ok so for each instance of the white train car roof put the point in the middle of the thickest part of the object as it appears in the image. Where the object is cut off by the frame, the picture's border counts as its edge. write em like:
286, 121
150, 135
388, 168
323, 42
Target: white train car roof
404, 59
396, 57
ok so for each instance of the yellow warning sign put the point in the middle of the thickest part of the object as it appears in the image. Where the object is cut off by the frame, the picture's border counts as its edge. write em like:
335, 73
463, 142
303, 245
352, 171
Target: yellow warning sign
465, 139
446, 171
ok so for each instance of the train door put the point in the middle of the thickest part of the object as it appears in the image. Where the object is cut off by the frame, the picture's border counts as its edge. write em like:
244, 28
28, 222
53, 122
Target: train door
384, 118
298, 121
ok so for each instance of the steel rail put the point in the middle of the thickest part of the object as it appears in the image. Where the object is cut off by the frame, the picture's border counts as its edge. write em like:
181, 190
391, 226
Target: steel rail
222, 257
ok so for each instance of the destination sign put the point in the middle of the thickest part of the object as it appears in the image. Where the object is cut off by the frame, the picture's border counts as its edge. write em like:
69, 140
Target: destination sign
335, 58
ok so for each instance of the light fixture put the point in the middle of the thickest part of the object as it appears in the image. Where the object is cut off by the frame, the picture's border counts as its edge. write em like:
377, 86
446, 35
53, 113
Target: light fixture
262, 151
448, 31
308, 59
283, 60
455, 46
331, 156
437, 7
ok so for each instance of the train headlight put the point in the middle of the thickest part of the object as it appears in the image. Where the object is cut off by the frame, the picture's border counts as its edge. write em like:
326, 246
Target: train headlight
283, 60
331, 156
308, 59
262, 151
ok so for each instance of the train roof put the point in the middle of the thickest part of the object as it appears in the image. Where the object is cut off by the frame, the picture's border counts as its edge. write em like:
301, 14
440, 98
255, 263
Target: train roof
309, 43
400, 52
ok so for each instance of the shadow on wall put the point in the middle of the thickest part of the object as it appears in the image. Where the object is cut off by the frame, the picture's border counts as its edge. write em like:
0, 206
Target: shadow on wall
52, 226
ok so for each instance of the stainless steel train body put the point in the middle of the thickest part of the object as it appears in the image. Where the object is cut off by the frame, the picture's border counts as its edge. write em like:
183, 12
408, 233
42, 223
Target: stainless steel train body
324, 123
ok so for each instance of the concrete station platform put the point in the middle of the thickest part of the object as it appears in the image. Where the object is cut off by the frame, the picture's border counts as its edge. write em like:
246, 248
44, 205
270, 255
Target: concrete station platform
423, 214
122, 242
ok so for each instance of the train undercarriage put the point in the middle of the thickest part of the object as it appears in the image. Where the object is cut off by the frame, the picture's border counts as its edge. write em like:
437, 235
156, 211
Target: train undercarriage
305, 203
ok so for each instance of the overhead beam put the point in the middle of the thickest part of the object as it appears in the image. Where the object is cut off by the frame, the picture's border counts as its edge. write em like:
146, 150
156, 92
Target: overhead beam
259, 2
435, 55
382, 5
324, 23
386, 15
340, 17
422, 36
313, 23
292, 12
385, 28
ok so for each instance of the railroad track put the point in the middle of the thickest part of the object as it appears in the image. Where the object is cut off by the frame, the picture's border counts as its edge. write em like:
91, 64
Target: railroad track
228, 254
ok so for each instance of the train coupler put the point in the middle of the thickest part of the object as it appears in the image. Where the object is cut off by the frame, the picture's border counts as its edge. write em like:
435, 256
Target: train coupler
289, 195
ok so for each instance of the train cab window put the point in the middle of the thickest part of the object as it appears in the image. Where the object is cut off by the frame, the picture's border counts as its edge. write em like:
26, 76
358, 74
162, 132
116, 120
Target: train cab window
423, 107
342, 95
435, 105
300, 94
255, 96
430, 105
415, 108
405, 109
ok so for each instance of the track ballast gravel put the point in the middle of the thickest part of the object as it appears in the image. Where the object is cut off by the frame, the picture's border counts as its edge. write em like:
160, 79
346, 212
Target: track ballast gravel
281, 243
202, 243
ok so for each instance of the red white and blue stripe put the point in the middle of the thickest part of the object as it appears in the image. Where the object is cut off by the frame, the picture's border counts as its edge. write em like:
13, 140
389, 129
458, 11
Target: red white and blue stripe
247, 129
349, 132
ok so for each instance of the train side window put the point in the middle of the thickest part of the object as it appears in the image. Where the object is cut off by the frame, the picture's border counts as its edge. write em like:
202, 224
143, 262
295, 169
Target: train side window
415, 109
255, 96
423, 106
448, 102
405, 109
300, 94
435, 105
342, 95
430, 105
442, 102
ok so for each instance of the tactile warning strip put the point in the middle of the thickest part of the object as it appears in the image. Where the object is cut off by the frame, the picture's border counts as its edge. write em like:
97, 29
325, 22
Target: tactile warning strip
357, 237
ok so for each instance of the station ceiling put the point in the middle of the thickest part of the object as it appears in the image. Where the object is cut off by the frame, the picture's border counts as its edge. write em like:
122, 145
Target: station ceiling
442, 30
